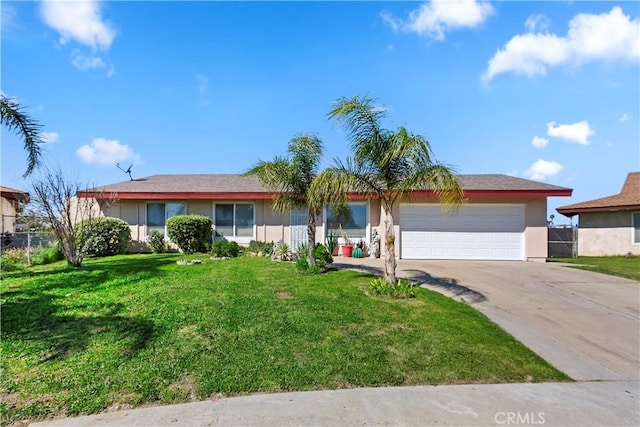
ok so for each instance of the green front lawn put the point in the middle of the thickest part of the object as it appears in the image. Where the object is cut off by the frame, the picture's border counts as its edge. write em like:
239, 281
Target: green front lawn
138, 329
621, 266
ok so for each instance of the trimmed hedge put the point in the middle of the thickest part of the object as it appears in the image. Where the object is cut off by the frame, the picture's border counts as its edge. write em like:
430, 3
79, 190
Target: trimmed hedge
191, 233
104, 236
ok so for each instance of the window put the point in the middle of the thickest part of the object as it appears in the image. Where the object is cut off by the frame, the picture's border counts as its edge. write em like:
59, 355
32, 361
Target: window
159, 213
234, 220
636, 227
355, 227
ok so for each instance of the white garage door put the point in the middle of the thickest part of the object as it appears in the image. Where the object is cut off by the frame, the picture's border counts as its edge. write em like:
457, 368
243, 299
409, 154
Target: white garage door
491, 232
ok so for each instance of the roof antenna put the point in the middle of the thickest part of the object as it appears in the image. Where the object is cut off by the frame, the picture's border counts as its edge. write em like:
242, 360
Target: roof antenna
128, 171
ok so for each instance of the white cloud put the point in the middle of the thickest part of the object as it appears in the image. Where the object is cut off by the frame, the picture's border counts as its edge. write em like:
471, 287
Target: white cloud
543, 169
106, 152
84, 63
576, 132
609, 36
436, 17
537, 22
50, 137
92, 62
539, 142
80, 21
625, 117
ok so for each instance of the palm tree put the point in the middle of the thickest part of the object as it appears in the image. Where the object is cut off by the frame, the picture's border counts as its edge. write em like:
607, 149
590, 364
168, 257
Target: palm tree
13, 117
290, 178
388, 165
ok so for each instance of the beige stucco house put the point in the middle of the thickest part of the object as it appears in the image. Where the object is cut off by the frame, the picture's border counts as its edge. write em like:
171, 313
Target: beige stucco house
11, 201
609, 225
504, 217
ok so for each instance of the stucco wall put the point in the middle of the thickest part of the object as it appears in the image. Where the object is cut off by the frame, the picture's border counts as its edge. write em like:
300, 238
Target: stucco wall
536, 233
8, 212
606, 233
273, 226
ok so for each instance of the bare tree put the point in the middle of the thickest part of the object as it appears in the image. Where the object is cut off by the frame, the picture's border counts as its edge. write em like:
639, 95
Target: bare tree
55, 195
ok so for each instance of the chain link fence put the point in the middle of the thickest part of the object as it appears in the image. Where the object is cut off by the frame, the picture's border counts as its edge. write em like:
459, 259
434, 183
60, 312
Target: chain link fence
27, 239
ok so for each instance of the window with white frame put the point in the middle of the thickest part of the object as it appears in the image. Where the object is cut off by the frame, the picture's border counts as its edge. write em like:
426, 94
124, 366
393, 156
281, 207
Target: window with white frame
234, 220
159, 213
636, 227
355, 227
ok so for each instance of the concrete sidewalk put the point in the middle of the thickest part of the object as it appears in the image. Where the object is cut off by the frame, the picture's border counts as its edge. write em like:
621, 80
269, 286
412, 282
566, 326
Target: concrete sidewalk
549, 404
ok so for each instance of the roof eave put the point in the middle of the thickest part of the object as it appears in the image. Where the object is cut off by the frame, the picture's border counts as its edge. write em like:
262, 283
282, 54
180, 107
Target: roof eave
569, 211
176, 195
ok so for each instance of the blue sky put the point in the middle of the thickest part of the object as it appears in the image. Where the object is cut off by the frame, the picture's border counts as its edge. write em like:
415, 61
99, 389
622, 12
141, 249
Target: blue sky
541, 90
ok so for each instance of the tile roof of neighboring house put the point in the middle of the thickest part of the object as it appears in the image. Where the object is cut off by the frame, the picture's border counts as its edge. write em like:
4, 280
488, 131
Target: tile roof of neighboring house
221, 186
627, 199
13, 194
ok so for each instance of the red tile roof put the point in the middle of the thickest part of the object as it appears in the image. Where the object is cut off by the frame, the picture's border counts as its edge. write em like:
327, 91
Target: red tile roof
627, 199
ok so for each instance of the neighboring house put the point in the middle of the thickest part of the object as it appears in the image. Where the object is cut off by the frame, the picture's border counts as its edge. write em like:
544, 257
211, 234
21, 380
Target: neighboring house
610, 225
505, 218
11, 204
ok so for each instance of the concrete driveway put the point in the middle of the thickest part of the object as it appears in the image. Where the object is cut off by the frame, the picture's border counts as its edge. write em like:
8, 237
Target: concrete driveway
585, 324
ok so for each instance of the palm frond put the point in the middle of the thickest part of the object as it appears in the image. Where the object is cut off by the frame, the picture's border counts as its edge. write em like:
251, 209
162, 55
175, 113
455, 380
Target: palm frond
13, 117
276, 175
440, 179
360, 118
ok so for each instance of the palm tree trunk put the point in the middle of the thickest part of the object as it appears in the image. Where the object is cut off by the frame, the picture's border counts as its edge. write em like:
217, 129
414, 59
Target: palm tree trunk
311, 237
390, 242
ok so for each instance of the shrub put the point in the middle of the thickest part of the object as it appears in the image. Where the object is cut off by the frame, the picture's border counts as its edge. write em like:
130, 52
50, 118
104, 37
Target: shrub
321, 256
103, 236
225, 249
191, 233
156, 242
281, 252
402, 289
302, 251
46, 255
258, 247
13, 259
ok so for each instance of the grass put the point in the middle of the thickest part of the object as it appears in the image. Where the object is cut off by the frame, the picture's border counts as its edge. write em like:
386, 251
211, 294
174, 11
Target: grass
621, 266
135, 330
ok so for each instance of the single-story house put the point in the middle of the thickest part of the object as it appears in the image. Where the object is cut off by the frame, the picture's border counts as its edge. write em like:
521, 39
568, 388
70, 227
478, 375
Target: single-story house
505, 218
11, 203
609, 225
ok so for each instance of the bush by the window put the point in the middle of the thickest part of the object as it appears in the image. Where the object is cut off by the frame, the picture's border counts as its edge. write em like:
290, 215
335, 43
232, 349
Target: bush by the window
225, 249
257, 247
321, 256
104, 236
191, 233
156, 242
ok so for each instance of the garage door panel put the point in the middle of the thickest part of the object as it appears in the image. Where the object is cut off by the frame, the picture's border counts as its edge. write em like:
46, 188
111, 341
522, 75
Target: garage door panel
476, 232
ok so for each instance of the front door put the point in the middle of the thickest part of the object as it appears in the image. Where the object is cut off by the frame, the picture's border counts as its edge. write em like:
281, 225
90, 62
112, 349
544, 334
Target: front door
298, 227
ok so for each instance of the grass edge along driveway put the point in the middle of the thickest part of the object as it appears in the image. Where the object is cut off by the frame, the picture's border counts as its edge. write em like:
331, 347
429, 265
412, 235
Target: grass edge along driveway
136, 330
620, 266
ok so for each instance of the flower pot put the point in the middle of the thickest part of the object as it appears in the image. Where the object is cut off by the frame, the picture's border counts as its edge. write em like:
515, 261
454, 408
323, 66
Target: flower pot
357, 253
346, 250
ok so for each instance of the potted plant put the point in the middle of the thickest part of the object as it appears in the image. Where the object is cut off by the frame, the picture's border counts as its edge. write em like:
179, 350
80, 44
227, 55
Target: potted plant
358, 251
347, 247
